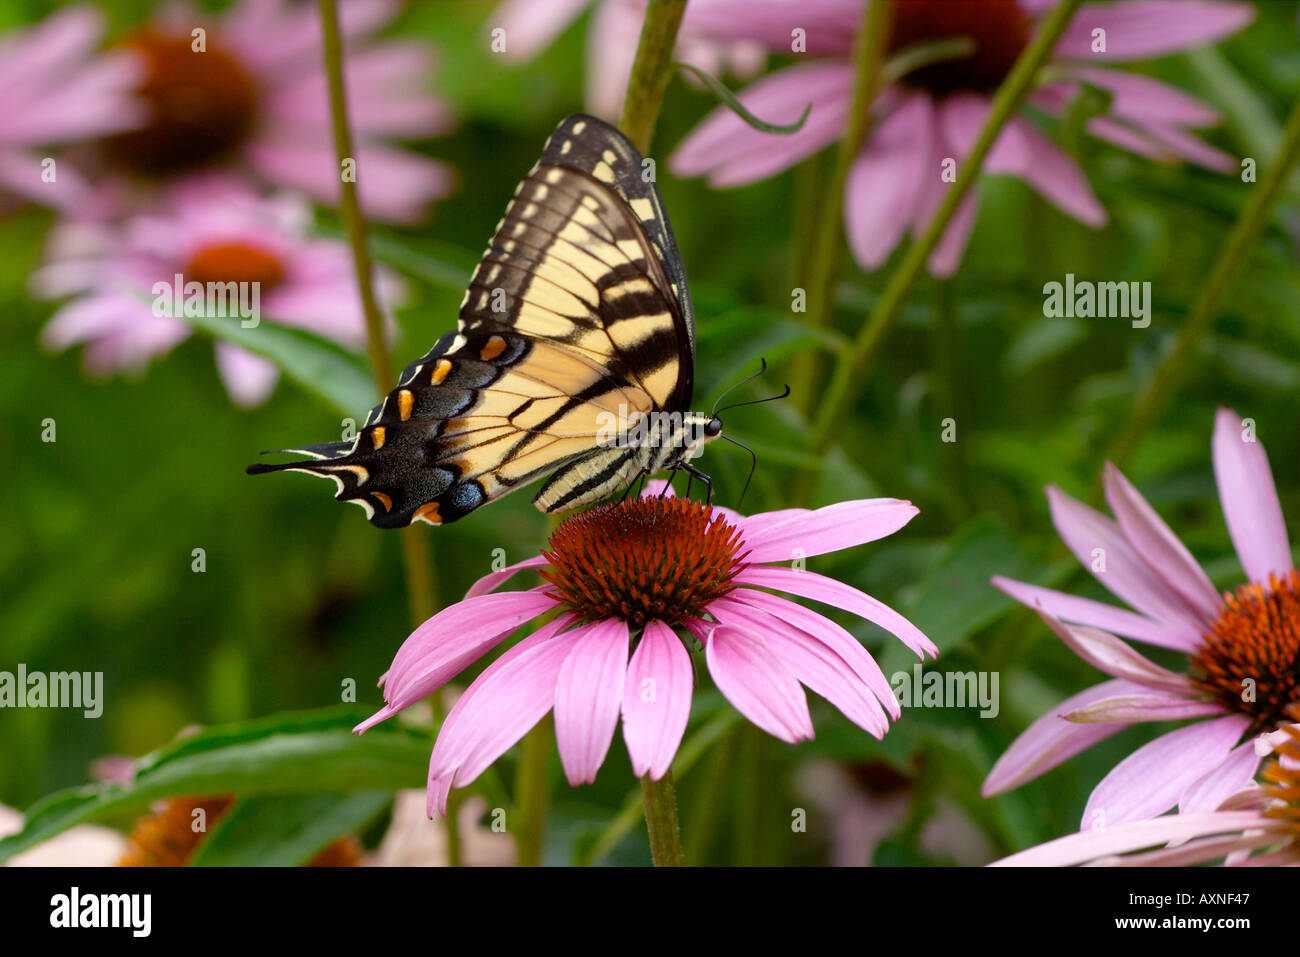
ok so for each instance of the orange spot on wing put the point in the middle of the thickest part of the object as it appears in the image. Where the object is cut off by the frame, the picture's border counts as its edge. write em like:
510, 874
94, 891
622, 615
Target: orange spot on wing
405, 402
377, 435
495, 346
384, 500
428, 513
440, 371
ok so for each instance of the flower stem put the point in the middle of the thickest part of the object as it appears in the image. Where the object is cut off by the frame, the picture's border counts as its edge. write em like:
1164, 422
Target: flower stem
1174, 366
660, 801
530, 794
869, 51
651, 71
850, 372
420, 584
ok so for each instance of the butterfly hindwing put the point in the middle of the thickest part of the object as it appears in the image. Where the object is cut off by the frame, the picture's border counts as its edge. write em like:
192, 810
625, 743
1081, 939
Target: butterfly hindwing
577, 312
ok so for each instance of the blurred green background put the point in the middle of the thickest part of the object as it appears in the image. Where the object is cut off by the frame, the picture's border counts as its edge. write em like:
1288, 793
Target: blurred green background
300, 594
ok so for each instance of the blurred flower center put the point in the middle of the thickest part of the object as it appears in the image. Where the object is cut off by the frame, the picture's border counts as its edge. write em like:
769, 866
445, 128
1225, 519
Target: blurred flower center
643, 559
169, 836
203, 106
1250, 660
999, 28
235, 262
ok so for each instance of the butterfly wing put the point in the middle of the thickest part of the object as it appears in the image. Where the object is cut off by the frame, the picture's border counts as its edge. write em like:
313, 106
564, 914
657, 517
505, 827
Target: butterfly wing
577, 318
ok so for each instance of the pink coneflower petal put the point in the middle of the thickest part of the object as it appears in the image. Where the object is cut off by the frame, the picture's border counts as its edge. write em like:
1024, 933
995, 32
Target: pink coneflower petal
1156, 543
656, 700
1208, 792
1150, 28
1139, 97
824, 630
813, 663
248, 378
1051, 739
588, 698
1150, 780
1098, 543
757, 684
1085, 611
530, 26
723, 137
1109, 654
1249, 498
885, 181
456, 636
820, 588
493, 580
1101, 842
1022, 151
829, 529
1147, 705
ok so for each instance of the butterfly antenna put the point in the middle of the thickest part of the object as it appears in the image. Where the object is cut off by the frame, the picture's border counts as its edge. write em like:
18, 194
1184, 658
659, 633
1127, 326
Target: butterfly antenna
770, 398
762, 367
753, 464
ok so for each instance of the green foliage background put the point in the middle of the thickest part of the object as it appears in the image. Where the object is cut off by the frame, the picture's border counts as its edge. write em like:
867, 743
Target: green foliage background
299, 594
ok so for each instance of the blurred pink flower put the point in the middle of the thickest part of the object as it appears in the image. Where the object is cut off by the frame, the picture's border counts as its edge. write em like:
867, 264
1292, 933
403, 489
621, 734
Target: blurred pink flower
936, 113
1243, 648
623, 576
86, 845
54, 89
531, 25
255, 99
210, 229
1257, 825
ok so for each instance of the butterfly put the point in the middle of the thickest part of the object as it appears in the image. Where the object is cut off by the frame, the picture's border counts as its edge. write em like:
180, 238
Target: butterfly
573, 356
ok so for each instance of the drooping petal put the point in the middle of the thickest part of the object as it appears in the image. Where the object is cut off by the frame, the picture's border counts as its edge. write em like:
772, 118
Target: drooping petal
1085, 611
1117, 659
812, 662
1249, 499
820, 588
1142, 29
656, 700
531, 26
1208, 792
757, 684
1100, 546
1158, 545
828, 633
588, 697
1147, 705
1151, 779
885, 181
1051, 739
828, 529
494, 580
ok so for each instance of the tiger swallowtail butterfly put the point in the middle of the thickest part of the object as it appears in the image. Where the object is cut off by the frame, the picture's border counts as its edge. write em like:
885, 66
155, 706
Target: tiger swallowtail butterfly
574, 356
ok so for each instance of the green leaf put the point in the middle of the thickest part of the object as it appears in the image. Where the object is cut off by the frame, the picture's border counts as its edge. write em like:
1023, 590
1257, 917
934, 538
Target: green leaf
286, 830
293, 753
719, 89
321, 367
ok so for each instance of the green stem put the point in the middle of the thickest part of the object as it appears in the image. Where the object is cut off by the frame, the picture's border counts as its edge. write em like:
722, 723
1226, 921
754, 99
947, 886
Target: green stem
530, 794
850, 372
869, 50
660, 801
651, 71
1174, 366
420, 585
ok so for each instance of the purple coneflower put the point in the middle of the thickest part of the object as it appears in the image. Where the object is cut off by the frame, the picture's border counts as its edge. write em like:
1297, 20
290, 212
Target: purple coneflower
54, 89
1258, 825
1242, 647
207, 230
531, 25
630, 580
935, 113
255, 98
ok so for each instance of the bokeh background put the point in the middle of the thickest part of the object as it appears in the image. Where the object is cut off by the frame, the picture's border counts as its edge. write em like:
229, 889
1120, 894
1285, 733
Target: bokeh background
300, 594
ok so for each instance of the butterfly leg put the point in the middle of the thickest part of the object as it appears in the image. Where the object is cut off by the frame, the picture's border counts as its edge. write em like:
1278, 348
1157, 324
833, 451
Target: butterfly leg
693, 472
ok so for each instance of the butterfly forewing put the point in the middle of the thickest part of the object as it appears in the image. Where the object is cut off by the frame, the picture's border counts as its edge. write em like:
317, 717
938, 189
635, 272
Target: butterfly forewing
577, 312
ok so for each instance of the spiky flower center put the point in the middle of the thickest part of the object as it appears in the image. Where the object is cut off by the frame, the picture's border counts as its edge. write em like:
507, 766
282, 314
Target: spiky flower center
999, 28
1282, 780
643, 559
202, 106
235, 262
1250, 658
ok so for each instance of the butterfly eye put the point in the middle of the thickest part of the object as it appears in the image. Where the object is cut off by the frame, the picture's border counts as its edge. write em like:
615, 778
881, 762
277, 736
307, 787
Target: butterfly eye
713, 427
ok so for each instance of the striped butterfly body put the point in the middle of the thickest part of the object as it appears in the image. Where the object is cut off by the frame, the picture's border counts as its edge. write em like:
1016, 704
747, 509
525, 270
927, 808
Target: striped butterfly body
573, 356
